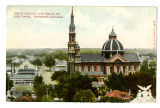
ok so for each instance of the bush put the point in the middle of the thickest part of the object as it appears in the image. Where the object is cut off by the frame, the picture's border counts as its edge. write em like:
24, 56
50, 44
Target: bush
84, 96
45, 99
111, 99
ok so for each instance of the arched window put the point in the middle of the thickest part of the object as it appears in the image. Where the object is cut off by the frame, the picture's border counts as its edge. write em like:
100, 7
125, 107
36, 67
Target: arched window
124, 69
135, 68
117, 69
77, 68
110, 70
82, 68
88, 68
94, 68
101, 68
129, 68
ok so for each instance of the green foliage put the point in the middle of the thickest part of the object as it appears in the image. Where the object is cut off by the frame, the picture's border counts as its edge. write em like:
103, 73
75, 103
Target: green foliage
37, 62
152, 68
41, 89
112, 99
26, 93
102, 90
9, 83
22, 56
38, 80
116, 81
144, 67
58, 90
46, 98
70, 85
17, 64
58, 74
8, 61
147, 54
60, 55
49, 61
84, 96
123, 83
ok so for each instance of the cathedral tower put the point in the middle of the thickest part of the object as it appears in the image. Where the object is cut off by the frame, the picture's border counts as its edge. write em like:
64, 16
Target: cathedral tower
71, 45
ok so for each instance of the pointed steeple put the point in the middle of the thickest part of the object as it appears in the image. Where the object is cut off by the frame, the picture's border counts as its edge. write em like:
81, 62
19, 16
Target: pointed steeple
72, 26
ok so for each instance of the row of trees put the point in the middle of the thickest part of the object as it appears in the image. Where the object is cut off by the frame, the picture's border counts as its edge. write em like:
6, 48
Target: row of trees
124, 83
145, 77
77, 88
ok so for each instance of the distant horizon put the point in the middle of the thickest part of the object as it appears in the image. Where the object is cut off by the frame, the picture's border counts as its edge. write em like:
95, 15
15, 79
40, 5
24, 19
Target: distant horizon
67, 48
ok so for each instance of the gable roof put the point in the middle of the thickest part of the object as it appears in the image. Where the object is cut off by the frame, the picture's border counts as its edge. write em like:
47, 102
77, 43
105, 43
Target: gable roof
117, 57
24, 99
118, 94
85, 57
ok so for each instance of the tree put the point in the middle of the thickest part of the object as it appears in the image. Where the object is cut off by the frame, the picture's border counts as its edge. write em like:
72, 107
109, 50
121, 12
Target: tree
70, 85
46, 98
38, 80
143, 79
26, 93
40, 91
49, 61
144, 67
37, 62
9, 83
61, 55
84, 96
152, 68
116, 81
57, 74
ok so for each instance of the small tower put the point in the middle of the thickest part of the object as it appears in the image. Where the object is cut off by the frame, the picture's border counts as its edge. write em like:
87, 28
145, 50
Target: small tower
71, 44
77, 54
77, 58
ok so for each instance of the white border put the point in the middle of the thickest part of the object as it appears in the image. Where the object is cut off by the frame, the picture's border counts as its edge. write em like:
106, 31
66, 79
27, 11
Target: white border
3, 5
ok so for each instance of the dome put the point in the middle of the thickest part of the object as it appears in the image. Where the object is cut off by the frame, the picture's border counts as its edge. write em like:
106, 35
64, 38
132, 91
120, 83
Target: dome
77, 46
112, 46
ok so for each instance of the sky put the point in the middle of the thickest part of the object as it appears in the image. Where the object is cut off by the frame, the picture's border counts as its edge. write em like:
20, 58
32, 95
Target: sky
133, 26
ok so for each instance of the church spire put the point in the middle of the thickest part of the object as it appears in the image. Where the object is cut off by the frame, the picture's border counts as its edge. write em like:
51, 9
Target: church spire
112, 35
72, 26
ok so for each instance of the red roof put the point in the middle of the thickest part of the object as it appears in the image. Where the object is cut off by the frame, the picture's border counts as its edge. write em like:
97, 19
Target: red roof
24, 99
118, 94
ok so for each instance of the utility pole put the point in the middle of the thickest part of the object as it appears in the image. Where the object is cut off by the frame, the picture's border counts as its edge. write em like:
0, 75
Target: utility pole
154, 50
47, 94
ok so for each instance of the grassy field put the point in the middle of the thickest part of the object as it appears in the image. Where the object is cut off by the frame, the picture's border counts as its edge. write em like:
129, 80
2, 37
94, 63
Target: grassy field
22, 88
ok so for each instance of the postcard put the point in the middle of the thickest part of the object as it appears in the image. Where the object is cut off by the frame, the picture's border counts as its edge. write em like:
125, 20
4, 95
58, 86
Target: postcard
95, 54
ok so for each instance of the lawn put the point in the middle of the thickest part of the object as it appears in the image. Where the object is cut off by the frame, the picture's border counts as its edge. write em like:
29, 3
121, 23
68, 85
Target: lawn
22, 88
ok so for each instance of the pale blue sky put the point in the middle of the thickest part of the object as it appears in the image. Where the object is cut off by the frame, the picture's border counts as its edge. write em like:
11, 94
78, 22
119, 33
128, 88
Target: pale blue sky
133, 26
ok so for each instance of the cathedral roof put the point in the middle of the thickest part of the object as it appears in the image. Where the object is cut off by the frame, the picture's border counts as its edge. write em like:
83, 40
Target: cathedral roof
130, 57
111, 45
92, 58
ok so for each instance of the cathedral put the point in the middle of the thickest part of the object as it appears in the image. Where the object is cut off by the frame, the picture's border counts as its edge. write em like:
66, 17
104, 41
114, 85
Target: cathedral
112, 58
